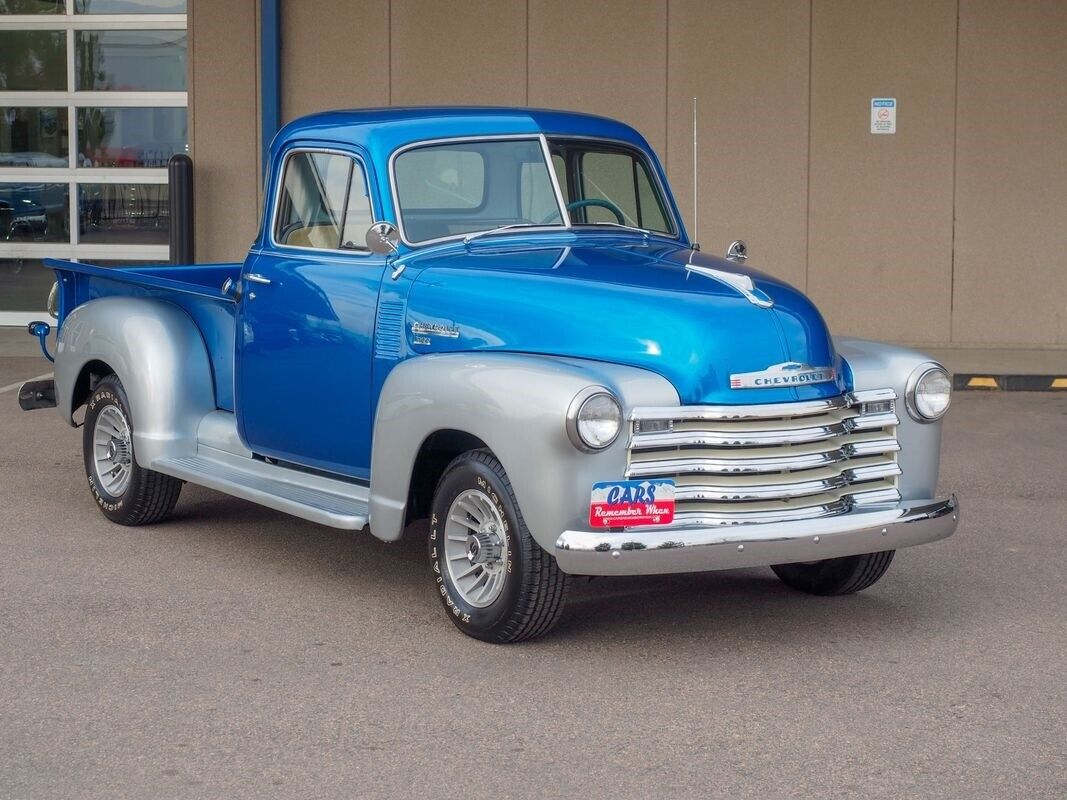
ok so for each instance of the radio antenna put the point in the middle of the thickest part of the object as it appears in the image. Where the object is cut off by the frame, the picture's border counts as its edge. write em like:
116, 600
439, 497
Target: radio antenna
694, 236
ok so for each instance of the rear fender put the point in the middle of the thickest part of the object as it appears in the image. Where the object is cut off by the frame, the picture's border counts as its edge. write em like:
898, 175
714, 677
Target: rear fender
157, 352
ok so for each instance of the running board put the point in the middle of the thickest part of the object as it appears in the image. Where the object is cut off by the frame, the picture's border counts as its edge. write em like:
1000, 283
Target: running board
312, 497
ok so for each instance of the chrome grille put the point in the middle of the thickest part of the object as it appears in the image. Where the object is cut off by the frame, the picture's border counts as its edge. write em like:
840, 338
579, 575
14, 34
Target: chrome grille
768, 463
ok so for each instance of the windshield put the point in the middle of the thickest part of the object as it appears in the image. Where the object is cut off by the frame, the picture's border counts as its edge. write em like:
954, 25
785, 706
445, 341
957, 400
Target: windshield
604, 182
501, 186
461, 187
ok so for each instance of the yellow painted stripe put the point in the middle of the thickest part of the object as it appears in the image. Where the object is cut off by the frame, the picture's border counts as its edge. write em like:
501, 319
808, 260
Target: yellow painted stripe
982, 383
1059, 383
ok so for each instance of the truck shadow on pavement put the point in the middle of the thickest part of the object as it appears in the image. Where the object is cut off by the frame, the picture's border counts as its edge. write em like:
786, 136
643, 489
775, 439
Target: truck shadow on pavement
737, 609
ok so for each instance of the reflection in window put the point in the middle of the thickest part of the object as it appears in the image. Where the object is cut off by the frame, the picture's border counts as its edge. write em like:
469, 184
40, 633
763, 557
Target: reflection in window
24, 284
33, 137
130, 137
34, 212
319, 189
130, 61
441, 177
33, 61
129, 6
124, 213
32, 7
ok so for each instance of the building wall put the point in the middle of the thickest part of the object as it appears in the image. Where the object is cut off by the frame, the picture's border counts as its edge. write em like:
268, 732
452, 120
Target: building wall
949, 231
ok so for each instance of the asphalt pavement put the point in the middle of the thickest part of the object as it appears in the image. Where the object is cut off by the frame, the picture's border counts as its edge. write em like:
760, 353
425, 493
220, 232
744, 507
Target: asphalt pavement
235, 652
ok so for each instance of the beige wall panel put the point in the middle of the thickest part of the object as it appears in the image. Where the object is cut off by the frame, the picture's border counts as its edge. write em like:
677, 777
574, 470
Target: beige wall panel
747, 65
472, 52
224, 133
1011, 174
880, 225
604, 58
335, 54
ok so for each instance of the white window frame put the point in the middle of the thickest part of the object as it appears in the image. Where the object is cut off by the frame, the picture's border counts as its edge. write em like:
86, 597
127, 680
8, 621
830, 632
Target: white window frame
72, 174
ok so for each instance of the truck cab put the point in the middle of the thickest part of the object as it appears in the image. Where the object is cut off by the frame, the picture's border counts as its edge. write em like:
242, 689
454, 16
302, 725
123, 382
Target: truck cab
495, 320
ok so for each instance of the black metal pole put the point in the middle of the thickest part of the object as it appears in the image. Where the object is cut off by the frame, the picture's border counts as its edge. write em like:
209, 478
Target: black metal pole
180, 178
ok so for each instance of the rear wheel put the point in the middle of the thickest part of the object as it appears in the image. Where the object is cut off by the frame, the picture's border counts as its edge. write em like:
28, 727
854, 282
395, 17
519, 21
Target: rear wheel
494, 581
125, 492
836, 575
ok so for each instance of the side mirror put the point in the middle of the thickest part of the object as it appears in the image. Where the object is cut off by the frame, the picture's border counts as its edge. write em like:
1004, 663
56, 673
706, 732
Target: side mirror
737, 251
383, 238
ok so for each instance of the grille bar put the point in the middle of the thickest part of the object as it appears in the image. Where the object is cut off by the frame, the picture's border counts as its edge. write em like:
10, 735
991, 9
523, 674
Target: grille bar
755, 464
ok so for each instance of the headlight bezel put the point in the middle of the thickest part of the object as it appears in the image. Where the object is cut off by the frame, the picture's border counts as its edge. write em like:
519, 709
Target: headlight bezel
574, 412
918, 375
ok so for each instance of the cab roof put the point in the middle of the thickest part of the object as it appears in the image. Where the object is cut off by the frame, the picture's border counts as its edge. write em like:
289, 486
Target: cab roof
382, 130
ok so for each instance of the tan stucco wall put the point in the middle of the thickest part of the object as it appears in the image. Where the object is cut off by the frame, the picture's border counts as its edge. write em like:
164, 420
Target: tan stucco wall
950, 231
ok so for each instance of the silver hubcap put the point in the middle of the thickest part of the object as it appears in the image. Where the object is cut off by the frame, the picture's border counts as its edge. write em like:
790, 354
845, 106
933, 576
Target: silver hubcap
112, 451
476, 549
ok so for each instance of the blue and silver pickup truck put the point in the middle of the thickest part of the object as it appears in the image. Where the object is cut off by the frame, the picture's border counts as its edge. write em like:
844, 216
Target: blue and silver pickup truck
495, 320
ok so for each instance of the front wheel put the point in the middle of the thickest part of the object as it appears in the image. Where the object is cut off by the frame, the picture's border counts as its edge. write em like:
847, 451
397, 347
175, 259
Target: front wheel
494, 581
836, 575
126, 492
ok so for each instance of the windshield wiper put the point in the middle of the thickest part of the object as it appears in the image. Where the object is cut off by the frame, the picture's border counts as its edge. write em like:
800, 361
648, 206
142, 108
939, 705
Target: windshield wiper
478, 234
643, 231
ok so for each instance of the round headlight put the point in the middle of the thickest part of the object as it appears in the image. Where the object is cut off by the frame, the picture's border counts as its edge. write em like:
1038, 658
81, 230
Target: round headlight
594, 419
929, 393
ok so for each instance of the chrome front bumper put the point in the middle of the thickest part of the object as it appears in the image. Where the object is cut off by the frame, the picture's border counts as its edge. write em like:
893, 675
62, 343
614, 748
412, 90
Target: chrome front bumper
652, 551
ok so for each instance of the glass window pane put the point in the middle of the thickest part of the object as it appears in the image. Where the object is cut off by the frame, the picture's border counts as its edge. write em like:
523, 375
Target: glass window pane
34, 212
124, 213
24, 284
32, 7
313, 198
146, 61
537, 196
129, 6
609, 177
33, 61
622, 181
33, 137
360, 215
130, 137
652, 214
441, 177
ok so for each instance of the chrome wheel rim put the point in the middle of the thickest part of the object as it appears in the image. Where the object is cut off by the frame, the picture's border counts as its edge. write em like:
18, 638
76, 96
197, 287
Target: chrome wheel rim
112, 451
476, 549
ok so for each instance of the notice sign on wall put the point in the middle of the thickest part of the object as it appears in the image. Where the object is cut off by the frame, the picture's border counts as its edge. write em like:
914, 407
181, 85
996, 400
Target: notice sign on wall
883, 115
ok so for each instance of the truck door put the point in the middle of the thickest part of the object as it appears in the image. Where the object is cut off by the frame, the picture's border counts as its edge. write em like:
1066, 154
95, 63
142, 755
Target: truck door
306, 324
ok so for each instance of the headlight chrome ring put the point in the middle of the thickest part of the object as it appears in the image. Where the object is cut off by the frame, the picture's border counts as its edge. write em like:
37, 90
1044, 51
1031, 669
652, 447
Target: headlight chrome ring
929, 393
593, 408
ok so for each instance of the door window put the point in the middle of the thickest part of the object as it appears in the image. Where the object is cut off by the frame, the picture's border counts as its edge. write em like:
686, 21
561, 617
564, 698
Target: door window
621, 184
324, 203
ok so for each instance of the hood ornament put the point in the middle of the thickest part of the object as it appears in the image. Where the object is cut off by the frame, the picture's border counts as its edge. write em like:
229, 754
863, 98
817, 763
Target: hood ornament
735, 280
742, 283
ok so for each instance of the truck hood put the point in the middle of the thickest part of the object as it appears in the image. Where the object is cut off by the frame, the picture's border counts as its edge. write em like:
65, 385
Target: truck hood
648, 304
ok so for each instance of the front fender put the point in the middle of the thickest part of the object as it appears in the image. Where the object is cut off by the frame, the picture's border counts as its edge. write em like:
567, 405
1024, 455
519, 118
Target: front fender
877, 365
157, 352
517, 405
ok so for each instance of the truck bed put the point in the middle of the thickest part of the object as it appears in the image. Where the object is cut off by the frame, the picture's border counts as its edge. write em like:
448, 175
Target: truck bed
197, 289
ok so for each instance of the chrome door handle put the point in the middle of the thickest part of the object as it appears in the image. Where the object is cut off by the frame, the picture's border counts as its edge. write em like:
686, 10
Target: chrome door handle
256, 278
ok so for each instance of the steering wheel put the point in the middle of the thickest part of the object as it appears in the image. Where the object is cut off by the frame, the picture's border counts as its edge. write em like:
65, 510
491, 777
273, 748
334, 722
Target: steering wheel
592, 201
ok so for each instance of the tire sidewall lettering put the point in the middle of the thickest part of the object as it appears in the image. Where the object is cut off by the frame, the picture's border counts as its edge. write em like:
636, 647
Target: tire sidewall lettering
459, 611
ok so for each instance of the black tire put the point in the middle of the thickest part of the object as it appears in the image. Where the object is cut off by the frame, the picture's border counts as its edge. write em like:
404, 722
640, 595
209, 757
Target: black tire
148, 496
836, 575
534, 588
